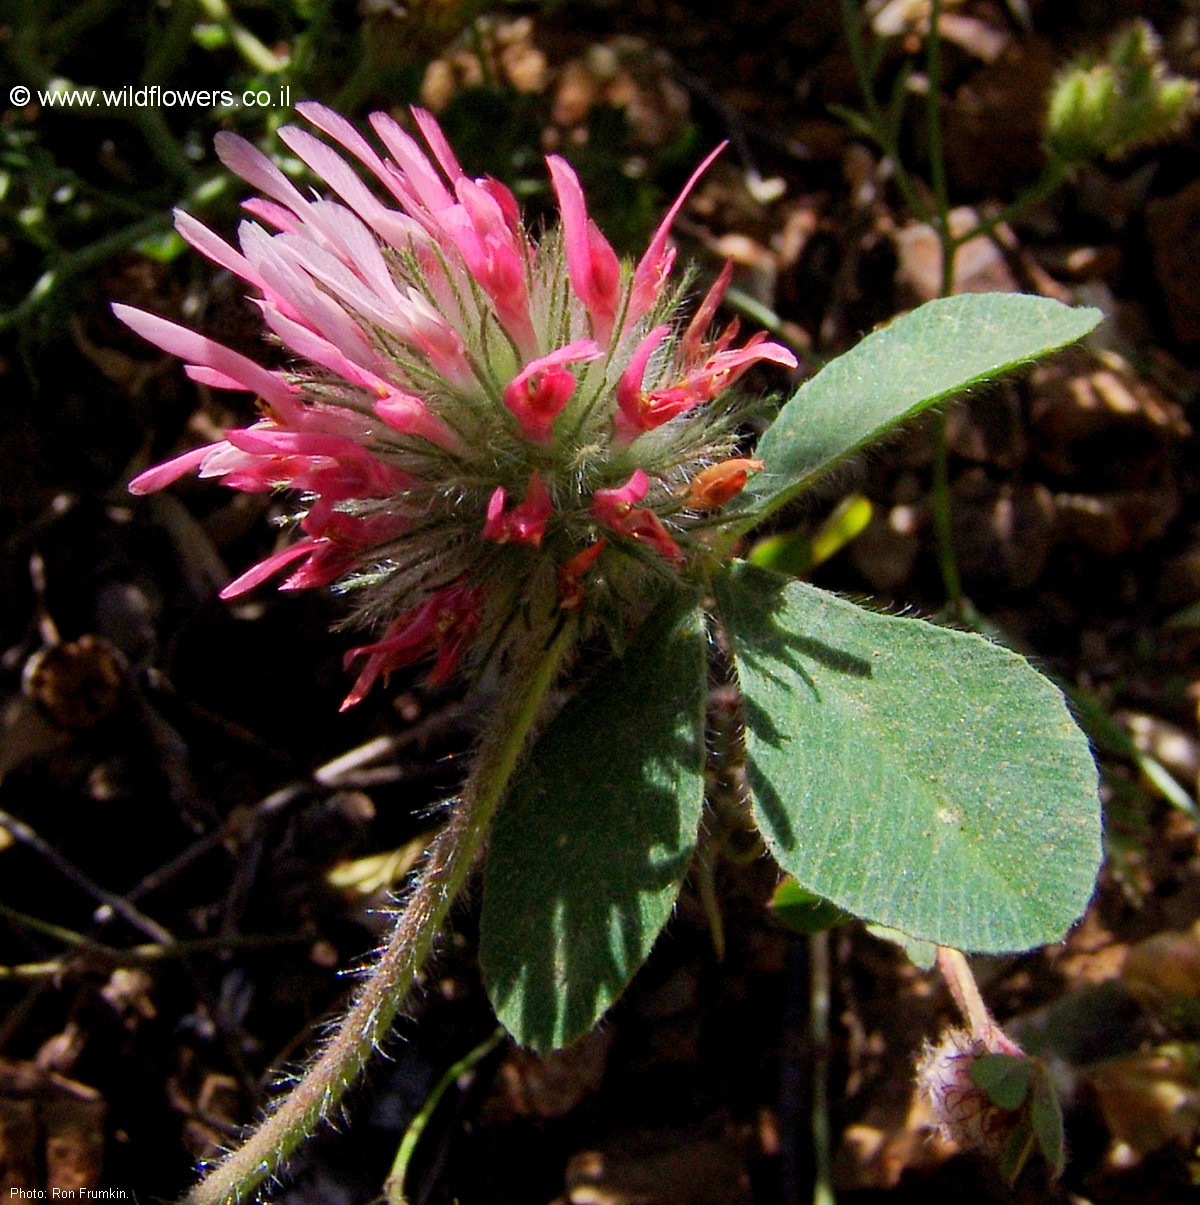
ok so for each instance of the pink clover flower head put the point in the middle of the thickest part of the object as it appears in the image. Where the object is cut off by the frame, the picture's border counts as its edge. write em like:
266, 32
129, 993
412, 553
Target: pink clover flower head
476, 425
962, 1110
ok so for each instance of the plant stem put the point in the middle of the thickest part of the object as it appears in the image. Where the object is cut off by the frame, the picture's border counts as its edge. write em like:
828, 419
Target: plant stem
820, 985
884, 134
937, 156
956, 971
257, 56
1054, 175
393, 1186
374, 1007
882, 129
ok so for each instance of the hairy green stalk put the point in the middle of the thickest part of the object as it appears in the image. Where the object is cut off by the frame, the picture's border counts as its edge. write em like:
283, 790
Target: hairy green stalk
382, 994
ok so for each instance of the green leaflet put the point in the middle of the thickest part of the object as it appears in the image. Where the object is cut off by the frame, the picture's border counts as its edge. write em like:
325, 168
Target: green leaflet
921, 358
917, 777
595, 837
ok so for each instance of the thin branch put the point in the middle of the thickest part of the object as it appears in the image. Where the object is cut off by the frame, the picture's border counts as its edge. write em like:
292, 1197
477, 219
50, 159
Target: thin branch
122, 907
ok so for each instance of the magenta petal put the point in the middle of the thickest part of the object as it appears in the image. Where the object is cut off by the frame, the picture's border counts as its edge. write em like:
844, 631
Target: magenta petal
259, 573
271, 213
493, 529
394, 227
503, 196
592, 264
526, 522
214, 247
538, 393
197, 349
340, 130
418, 172
630, 420
442, 151
573, 353
608, 504
408, 415
212, 378
702, 319
629, 387
652, 268
170, 470
246, 160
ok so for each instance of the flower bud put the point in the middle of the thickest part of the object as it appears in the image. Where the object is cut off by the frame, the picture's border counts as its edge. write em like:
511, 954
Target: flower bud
1106, 108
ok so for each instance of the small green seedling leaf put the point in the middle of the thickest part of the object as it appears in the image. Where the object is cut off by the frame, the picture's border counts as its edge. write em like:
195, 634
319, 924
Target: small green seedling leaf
1047, 1120
1004, 1077
802, 912
595, 838
922, 358
796, 554
917, 777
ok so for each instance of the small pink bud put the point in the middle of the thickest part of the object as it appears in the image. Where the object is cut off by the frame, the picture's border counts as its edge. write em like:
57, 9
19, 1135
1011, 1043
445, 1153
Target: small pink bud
526, 522
538, 393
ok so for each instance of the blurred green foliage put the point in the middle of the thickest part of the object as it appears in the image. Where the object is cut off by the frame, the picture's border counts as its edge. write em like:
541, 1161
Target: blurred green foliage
80, 185
1104, 108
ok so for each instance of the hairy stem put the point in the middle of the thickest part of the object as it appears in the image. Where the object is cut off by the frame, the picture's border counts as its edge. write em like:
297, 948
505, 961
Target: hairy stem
956, 971
381, 995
